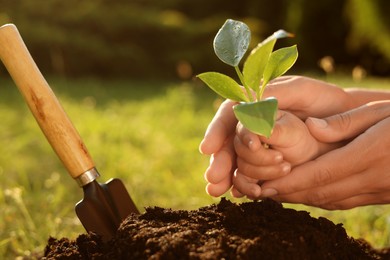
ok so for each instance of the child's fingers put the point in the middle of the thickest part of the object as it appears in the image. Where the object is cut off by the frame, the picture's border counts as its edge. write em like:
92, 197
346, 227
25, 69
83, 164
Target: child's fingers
245, 185
220, 167
287, 131
222, 164
220, 188
292, 138
261, 157
220, 128
268, 172
247, 138
235, 193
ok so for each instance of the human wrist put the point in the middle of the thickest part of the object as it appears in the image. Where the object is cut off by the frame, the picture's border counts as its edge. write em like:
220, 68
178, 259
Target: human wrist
358, 97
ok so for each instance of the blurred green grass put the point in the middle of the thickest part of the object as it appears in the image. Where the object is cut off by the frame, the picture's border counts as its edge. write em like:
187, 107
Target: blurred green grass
145, 133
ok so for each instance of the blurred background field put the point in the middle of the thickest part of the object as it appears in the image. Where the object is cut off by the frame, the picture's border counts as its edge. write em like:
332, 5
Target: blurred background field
172, 38
124, 71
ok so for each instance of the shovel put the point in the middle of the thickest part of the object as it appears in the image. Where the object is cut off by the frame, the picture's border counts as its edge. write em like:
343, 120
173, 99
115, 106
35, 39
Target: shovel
104, 206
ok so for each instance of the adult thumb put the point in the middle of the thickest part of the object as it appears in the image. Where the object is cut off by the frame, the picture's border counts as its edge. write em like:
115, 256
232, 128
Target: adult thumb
349, 124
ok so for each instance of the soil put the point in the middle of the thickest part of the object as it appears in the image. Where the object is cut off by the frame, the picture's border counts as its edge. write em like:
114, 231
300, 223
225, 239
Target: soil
251, 230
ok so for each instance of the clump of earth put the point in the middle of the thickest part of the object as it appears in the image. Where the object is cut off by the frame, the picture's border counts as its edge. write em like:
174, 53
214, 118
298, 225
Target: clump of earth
251, 230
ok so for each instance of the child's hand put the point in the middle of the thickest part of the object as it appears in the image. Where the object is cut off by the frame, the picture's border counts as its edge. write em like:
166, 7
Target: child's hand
290, 144
256, 162
293, 139
255, 159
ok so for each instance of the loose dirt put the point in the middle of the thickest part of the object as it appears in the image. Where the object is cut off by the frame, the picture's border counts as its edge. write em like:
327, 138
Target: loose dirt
252, 230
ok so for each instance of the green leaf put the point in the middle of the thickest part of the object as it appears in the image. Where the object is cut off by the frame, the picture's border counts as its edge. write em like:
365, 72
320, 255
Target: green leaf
232, 41
257, 60
258, 117
255, 64
280, 61
223, 85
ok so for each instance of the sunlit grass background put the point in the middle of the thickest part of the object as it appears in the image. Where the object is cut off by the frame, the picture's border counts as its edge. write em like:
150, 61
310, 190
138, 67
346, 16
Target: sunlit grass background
145, 133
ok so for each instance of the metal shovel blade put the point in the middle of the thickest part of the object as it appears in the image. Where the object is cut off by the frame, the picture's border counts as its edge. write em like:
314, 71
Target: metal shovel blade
104, 207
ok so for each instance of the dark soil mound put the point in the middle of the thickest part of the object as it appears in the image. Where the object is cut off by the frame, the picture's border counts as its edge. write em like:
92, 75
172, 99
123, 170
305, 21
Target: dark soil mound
253, 230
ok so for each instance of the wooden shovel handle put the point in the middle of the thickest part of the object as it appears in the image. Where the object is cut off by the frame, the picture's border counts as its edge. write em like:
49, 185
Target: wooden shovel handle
42, 102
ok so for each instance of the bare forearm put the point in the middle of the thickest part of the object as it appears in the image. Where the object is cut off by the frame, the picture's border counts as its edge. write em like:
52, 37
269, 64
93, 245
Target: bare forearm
362, 96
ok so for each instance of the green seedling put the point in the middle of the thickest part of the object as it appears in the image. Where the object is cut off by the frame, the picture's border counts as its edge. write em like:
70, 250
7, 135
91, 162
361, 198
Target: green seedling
260, 67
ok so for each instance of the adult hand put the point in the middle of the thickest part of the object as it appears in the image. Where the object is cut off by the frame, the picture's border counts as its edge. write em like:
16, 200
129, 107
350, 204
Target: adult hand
318, 100
218, 142
354, 175
306, 97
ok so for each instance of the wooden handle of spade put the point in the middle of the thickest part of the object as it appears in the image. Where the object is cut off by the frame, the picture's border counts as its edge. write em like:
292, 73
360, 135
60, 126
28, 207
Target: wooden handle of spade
42, 102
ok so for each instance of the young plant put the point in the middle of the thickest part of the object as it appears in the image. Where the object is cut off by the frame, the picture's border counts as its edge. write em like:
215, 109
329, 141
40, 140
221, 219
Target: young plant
261, 66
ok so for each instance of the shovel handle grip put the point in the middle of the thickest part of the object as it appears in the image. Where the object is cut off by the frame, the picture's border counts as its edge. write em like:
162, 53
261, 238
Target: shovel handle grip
48, 112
